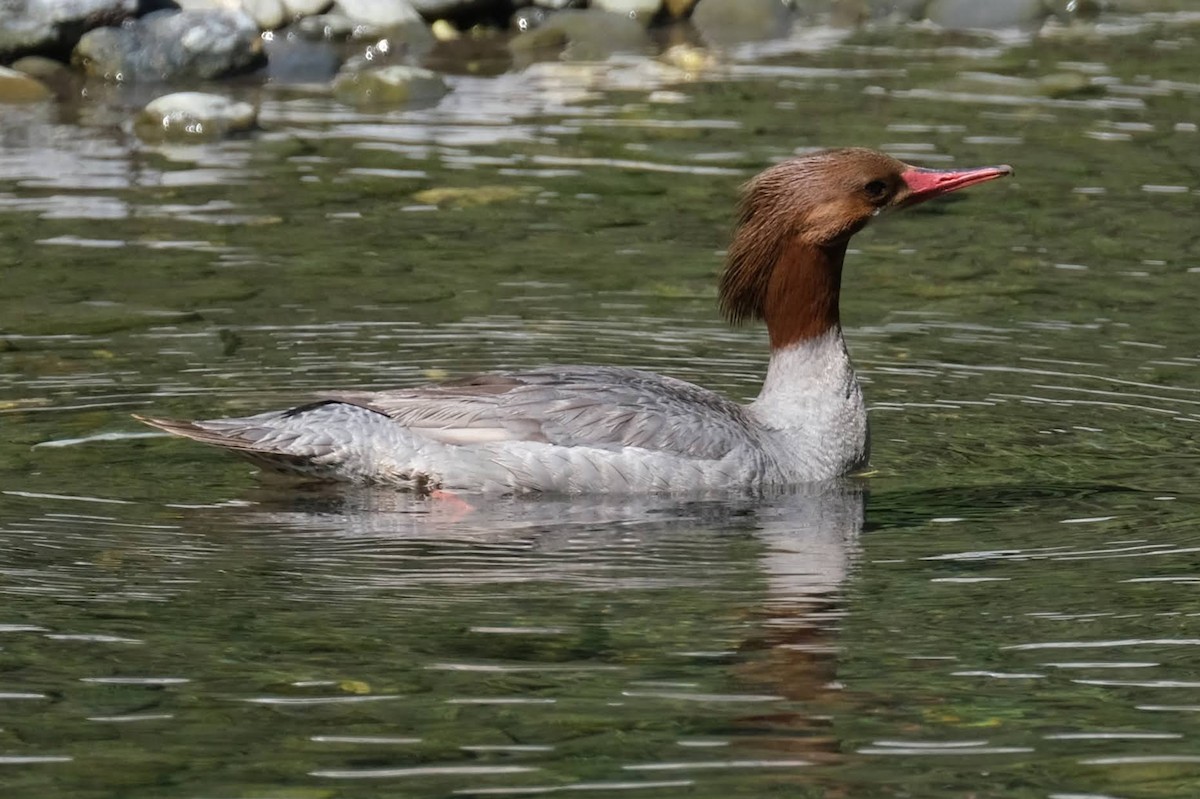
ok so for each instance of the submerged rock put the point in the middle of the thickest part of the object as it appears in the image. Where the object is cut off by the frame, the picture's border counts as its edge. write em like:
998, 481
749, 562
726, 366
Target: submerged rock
17, 87
193, 117
54, 26
471, 197
989, 14
388, 86
169, 46
727, 22
583, 36
292, 58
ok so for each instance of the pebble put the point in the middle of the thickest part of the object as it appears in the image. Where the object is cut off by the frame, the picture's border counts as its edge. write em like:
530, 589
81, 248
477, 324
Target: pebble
17, 87
53, 73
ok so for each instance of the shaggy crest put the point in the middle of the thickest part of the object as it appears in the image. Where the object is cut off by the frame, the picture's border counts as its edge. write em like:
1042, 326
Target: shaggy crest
800, 214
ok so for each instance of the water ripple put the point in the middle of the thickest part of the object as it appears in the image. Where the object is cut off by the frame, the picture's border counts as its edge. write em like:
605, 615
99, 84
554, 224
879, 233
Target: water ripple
419, 771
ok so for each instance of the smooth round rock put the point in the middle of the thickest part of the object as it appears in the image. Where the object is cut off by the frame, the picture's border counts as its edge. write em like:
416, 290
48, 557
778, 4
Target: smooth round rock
44, 69
17, 87
389, 86
193, 116
728, 22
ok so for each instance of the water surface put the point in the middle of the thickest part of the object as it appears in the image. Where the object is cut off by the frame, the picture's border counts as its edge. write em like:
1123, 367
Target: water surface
1005, 608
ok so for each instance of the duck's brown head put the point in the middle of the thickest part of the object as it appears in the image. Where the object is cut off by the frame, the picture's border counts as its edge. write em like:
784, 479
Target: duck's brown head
794, 222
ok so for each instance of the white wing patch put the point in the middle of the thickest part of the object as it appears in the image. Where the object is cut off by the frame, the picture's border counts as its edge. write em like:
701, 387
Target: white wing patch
465, 435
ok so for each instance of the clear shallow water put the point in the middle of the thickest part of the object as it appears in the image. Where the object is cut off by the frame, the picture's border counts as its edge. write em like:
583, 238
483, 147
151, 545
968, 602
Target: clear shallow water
1012, 611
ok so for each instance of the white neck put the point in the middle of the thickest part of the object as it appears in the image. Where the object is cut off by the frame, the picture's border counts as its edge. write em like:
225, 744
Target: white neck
812, 404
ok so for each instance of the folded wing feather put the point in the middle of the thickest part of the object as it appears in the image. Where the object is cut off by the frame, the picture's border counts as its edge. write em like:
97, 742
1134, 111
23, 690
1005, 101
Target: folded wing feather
607, 407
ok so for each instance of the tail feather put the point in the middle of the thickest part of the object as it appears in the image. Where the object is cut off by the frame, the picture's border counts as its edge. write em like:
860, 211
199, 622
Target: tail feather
268, 458
195, 432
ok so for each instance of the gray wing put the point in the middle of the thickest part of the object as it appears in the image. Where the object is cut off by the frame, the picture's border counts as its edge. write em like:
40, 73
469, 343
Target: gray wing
608, 407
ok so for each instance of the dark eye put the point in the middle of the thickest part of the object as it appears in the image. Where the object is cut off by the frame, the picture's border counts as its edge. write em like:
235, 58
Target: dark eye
877, 190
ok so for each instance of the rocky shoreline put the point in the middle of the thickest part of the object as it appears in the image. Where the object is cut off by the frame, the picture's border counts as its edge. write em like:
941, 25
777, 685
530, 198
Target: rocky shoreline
387, 53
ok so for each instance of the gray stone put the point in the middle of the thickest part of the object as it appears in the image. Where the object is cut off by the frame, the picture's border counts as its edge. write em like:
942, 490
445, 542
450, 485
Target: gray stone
728, 22
389, 86
54, 26
582, 36
989, 14
193, 116
379, 13
169, 46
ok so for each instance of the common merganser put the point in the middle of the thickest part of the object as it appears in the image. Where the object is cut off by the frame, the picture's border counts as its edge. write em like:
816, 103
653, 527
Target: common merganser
580, 429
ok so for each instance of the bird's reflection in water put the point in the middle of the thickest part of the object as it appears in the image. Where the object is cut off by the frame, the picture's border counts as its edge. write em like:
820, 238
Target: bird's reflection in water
788, 554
